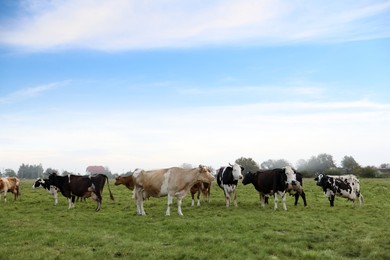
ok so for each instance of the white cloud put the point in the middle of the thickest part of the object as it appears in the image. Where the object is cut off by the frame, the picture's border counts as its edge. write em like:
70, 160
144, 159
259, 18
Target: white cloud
30, 92
210, 135
123, 25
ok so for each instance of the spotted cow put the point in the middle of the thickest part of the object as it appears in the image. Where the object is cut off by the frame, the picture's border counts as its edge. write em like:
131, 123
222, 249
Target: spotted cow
346, 186
227, 179
10, 184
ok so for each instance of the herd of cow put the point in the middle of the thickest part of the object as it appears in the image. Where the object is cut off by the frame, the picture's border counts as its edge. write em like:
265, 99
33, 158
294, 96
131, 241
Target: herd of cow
178, 182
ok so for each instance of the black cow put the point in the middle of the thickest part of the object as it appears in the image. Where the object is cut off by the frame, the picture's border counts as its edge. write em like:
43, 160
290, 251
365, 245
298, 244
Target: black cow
227, 179
44, 183
272, 182
81, 186
297, 190
346, 186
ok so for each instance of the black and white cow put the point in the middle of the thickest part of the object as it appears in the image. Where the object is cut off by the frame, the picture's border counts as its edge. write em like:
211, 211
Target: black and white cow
44, 183
346, 186
227, 179
80, 186
297, 189
272, 182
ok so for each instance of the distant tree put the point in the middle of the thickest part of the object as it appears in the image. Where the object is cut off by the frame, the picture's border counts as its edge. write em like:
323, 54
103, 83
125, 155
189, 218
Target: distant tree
30, 171
385, 166
9, 173
320, 163
349, 165
248, 163
186, 166
369, 172
272, 164
49, 171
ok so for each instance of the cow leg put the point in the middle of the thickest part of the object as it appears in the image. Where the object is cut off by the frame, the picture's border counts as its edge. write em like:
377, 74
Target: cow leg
296, 195
5, 195
70, 203
227, 199
284, 200
235, 198
168, 213
98, 200
198, 196
55, 194
192, 199
361, 199
303, 195
262, 200
179, 199
140, 202
275, 201
331, 200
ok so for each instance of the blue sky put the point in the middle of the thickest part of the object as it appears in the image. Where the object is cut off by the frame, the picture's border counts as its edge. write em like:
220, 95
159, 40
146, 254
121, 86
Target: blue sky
129, 84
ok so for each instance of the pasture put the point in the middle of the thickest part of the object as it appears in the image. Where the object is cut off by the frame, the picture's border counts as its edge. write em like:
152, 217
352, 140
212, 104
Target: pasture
33, 228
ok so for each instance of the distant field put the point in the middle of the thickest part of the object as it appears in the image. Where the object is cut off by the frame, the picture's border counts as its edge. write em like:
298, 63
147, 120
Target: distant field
33, 228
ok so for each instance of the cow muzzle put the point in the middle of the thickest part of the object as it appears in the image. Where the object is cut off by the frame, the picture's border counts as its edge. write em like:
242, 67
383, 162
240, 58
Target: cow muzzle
293, 183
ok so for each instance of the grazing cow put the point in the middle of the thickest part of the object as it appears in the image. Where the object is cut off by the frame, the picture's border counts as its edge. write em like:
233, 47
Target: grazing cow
171, 182
80, 186
128, 181
346, 186
272, 182
44, 183
10, 184
227, 179
200, 187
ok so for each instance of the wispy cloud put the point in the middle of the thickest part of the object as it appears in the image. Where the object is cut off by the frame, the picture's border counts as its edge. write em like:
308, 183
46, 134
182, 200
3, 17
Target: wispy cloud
123, 25
31, 92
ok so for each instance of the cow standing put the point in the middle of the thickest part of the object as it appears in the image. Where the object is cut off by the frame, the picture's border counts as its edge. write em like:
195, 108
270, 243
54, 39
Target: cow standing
346, 186
80, 186
44, 183
272, 182
171, 182
227, 179
10, 184
200, 187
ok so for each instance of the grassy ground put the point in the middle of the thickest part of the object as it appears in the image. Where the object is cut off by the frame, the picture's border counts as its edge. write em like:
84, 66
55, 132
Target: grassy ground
33, 228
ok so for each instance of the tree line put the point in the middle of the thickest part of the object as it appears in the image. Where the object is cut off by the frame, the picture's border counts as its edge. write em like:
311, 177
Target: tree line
322, 163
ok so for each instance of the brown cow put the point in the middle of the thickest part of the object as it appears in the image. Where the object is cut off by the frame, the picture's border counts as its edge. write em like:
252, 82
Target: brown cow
199, 187
10, 184
171, 182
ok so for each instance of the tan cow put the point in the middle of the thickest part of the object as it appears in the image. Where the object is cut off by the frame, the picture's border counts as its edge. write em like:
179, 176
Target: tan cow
171, 182
10, 184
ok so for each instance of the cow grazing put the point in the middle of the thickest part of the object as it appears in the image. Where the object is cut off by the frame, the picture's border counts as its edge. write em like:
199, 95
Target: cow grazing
44, 183
272, 182
80, 186
10, 184
346, 186
227, 179
200, 187
128, 181
171, 182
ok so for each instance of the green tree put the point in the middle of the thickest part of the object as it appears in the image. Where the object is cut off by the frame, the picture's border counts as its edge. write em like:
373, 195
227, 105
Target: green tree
349, 165
272, 164
248, 163
9, 173
30, 171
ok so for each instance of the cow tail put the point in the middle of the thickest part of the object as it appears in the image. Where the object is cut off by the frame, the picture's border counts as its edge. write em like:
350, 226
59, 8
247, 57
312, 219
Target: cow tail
108, 184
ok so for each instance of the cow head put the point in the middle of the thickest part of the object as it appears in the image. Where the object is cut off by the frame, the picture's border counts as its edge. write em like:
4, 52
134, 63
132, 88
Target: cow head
205, 174
237, 169
248, 178
319, 179
291, 176
38, 183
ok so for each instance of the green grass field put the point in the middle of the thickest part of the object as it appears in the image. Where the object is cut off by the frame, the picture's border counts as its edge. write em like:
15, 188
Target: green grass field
33, 228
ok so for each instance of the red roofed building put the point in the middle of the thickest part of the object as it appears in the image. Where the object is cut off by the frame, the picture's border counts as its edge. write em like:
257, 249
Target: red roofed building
96, 170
